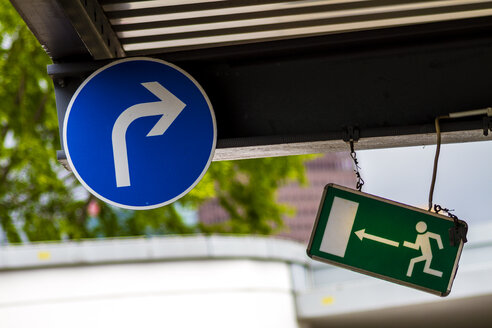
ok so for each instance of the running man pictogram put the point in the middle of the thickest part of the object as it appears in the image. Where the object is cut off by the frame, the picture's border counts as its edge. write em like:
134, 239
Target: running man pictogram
423, 243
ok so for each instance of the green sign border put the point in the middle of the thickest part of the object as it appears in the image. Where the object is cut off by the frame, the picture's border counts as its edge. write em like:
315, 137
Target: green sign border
321, 223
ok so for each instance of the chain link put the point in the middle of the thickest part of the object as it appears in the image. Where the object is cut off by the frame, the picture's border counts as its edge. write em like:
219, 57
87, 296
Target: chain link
460, 228
439, 208
360, 181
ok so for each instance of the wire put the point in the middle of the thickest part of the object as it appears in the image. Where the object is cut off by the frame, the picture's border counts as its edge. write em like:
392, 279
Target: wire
436, 158
484, 111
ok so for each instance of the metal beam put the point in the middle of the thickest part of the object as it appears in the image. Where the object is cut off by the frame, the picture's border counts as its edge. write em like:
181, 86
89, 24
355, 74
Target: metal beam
48, 22
300, 96
93, 27
71, 29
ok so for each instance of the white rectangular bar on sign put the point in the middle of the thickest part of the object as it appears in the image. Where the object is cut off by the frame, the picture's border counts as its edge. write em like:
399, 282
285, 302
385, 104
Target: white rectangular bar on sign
339, 225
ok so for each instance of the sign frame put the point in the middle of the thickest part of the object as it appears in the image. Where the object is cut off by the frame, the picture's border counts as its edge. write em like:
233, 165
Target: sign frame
310, 250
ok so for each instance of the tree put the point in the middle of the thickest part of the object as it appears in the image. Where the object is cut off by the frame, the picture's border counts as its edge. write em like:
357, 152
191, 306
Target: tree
246, 189
41, 201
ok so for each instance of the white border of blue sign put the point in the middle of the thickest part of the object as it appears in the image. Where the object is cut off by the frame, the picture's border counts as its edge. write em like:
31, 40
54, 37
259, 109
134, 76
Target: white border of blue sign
67, 114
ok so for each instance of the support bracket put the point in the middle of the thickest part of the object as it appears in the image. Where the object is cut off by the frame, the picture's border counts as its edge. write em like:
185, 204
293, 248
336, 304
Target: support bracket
486, 125
351, 134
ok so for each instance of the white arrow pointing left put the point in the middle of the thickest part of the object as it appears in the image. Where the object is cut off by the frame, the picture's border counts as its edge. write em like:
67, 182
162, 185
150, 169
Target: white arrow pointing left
169, 107
363, 234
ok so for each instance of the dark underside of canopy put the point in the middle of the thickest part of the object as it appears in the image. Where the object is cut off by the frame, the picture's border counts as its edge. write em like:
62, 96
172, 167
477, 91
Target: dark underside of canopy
292, 77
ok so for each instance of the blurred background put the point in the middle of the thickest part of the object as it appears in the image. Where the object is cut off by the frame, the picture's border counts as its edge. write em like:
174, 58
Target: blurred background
231, 252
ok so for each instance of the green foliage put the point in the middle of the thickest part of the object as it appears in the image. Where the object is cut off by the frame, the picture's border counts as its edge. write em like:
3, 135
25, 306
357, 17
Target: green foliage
246, 189
41, 201
31, 194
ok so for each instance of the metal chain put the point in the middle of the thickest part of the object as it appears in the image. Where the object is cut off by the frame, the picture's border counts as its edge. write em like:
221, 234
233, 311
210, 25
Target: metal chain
439, 208
460, 228
360, 181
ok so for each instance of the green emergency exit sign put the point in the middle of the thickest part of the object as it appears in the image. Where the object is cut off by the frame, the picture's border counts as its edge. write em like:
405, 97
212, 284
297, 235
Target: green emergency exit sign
385, 239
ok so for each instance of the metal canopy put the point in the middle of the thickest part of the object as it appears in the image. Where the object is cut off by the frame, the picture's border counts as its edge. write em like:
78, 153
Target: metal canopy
164, 26
291, 77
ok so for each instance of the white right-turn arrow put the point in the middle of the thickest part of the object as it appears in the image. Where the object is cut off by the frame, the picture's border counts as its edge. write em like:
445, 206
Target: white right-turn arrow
169, 107
362, 234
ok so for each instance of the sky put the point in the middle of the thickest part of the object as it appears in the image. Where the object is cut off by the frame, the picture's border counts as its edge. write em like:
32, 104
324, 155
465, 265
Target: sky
464, 177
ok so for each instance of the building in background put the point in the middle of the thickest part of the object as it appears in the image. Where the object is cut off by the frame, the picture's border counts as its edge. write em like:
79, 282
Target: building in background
329, 168
223, 281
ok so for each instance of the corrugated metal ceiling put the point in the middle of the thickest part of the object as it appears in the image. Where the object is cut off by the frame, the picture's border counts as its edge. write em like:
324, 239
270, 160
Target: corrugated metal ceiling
169, 25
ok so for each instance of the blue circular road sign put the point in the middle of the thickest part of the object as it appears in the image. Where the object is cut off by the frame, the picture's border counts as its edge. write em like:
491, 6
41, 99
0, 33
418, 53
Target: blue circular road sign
139, 133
